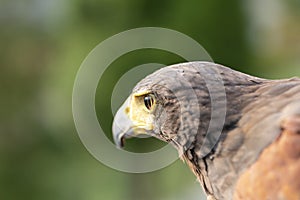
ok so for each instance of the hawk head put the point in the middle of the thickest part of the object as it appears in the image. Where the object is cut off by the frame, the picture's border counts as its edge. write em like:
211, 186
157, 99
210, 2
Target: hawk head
152, 109
167, 105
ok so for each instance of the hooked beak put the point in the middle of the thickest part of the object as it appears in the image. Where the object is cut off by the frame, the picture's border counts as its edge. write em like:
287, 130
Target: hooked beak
122, 126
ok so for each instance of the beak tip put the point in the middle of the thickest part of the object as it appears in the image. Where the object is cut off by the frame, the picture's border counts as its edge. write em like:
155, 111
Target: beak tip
121, 126
119, 142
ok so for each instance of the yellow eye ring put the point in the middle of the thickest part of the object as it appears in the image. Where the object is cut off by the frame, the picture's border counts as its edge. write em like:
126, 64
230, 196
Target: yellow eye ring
149, 101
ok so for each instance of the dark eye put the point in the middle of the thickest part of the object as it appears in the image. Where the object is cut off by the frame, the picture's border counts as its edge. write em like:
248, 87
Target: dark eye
149, 101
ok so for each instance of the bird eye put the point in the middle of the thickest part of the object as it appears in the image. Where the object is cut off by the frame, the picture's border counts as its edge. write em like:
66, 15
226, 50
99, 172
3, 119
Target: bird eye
149, 101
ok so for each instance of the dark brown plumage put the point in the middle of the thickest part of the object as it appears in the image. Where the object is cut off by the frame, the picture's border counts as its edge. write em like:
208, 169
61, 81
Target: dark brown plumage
255, 155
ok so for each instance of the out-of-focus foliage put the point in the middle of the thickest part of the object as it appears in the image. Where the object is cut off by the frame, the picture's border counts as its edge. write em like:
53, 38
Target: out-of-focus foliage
43, 43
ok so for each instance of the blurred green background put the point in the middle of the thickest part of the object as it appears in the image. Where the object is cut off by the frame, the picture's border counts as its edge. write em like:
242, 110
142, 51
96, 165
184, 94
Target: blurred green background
43, 43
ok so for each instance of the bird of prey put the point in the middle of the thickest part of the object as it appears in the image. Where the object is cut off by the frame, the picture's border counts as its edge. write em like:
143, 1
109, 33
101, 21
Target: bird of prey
239, 134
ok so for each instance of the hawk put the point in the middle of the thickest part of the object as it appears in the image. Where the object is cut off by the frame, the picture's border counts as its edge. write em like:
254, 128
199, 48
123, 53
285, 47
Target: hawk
239, 134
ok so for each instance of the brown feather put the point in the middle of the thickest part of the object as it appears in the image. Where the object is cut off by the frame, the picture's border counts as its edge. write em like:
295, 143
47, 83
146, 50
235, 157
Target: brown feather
257, 154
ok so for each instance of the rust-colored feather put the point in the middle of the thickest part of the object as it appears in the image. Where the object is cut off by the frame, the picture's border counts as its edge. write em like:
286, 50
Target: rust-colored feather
276, 173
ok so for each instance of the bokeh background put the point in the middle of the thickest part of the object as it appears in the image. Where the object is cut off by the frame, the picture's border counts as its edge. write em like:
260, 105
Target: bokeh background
43, 43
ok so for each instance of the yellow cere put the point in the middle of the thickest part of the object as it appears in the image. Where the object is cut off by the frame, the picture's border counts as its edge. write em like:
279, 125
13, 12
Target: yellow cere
139, 114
